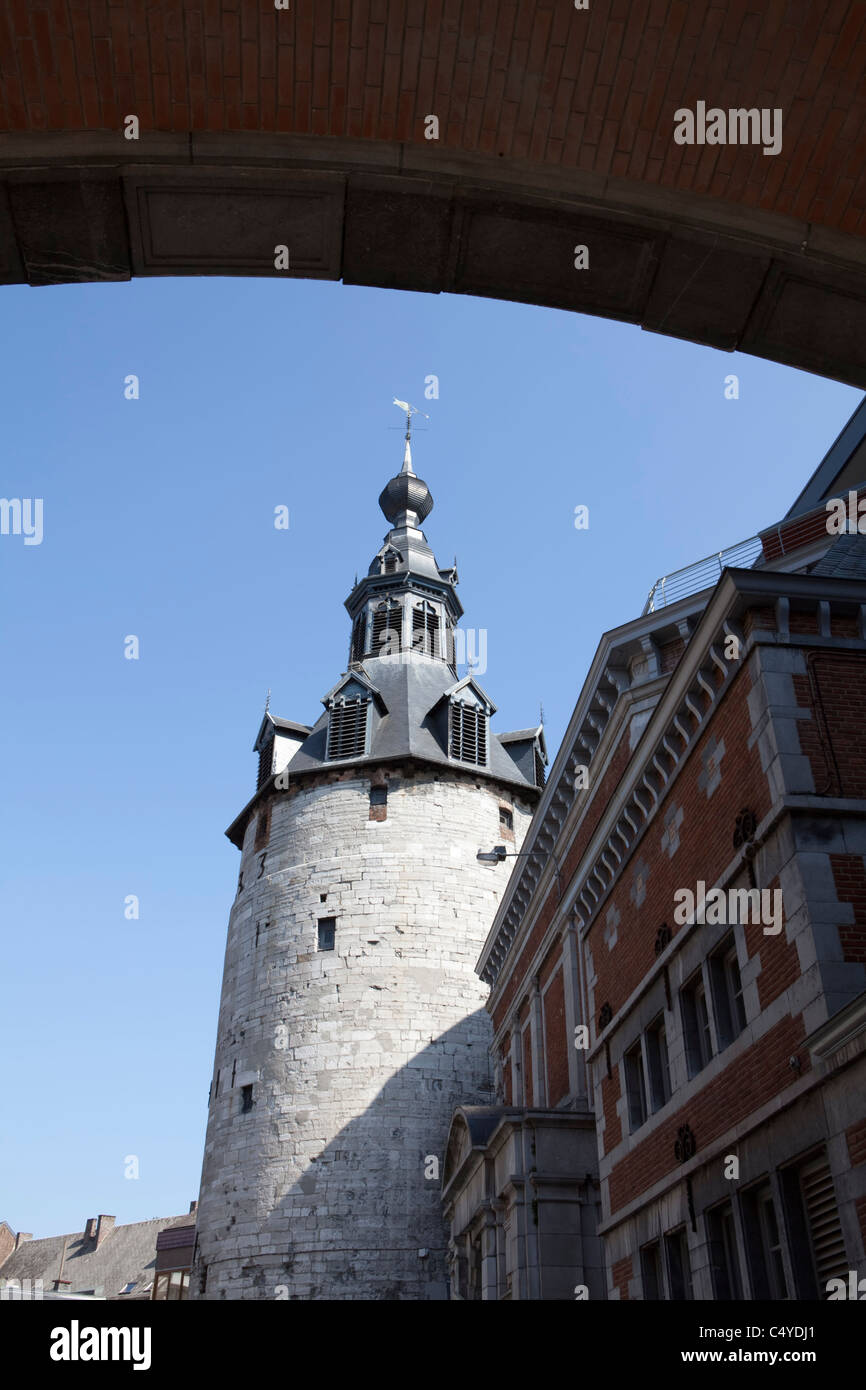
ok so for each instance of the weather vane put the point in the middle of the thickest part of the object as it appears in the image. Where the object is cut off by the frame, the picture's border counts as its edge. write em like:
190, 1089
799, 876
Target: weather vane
410, 411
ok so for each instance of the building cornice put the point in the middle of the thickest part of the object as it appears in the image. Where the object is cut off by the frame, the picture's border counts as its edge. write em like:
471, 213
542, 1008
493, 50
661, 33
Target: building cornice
691, 694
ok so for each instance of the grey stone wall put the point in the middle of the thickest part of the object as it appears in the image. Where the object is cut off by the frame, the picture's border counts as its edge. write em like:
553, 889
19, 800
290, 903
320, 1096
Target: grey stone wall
357, 1056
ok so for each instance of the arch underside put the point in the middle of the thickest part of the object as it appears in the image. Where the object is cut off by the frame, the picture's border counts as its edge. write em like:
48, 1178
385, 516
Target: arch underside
81, 207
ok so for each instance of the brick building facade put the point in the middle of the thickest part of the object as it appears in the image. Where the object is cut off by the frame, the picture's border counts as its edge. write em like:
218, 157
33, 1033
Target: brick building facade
681, 953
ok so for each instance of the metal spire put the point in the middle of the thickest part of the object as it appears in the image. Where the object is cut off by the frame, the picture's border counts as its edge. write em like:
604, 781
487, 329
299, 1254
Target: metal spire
407, 452
267, 702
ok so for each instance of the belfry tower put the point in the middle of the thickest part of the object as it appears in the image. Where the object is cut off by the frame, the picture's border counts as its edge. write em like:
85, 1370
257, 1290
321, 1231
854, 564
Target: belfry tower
351, 1020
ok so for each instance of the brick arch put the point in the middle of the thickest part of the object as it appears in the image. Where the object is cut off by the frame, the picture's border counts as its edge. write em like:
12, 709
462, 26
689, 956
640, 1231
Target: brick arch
306, 127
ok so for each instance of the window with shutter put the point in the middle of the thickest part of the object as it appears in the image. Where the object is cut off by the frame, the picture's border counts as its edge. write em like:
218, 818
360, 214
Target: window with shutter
468, 734
347, 728
822, 1217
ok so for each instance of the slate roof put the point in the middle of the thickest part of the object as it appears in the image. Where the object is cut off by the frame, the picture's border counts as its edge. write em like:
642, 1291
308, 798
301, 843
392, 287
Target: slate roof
846, 558
410, 690
126, 1253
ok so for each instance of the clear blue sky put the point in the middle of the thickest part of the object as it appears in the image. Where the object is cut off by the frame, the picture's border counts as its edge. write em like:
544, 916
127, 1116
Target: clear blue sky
121, 776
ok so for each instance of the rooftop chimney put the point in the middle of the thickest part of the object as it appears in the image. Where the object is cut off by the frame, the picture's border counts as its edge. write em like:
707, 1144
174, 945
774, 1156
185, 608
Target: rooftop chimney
104, 1227
90, 1228
21, 1237
193, 1205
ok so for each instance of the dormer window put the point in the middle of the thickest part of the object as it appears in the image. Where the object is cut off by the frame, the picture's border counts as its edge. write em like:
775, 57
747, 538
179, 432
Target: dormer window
387, 629
390, 560
347, 728
425, 629
468, 733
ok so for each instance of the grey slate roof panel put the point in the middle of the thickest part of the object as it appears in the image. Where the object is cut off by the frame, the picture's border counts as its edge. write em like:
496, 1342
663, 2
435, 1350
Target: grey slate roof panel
410, 689
846, 558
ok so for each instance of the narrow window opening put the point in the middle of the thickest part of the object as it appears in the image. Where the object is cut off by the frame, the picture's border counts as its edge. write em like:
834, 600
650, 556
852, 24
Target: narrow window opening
696, 1025
635, 1086
246, 1099
327, 933
658, 1063
651, 1271
724, 1256
506, 818
263, 827
679, 1265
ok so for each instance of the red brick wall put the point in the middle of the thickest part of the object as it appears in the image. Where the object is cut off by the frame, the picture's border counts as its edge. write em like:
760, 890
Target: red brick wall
840, 680
761, 1073
706, 847
610, 1094
780, 960
555, 1040
850, 879
622, 1272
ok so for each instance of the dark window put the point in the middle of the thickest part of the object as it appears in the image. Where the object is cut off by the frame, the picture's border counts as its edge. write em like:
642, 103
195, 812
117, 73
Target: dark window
387, 629
651, 1271
679, 1265
425, 629
390, 562
347, 729
468, 733
506, 818
327, 931
378, 796
246, 1099
263, 827
727, 992
764, 1243
266, 763
696, 1024
657, 1063
724, 1256
634, 1087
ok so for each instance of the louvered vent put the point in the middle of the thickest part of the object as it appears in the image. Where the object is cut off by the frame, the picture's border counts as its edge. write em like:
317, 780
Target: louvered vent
266, 763
387, 625
539, 769
347, 729
819, 1199
425, 631
468, 734
357, 651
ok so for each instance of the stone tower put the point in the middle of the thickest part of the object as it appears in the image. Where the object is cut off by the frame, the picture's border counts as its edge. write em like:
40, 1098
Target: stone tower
351, 1021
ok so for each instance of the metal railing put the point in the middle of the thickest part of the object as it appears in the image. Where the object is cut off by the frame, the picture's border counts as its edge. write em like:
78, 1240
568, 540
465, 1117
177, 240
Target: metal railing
701, 574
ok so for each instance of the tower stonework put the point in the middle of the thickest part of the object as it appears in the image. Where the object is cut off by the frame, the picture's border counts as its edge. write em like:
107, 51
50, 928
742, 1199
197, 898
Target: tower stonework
352, 1021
